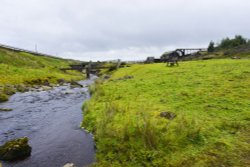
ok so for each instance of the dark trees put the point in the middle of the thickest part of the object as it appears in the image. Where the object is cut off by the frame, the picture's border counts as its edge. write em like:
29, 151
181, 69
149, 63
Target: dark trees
210, 47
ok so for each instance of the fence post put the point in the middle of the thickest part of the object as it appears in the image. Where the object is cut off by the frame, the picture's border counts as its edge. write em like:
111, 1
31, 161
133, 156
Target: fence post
88, 70
118, 64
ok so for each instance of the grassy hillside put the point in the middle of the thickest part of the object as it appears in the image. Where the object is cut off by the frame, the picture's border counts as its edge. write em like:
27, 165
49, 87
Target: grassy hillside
209, 98
23, 68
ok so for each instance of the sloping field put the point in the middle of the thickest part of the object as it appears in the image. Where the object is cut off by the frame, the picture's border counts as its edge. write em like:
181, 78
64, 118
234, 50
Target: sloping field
20, 67
206, 120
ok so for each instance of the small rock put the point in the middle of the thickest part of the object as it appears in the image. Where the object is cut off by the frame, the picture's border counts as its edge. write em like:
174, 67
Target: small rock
106, 77
129, 77
74, 84
36, 87
46, 83
61, 81
46, 88
16, 149
168, 115
126, 77
235, 57
53, 85
69, 165
68, 92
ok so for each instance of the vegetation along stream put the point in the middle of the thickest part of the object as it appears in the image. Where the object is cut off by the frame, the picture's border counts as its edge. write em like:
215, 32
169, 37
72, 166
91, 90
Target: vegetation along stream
51, 120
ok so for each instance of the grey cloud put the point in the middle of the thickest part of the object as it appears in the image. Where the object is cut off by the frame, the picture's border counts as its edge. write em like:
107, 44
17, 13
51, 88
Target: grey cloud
128, 29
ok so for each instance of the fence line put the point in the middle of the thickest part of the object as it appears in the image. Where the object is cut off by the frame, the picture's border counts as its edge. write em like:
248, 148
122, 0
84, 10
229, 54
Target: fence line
25, 50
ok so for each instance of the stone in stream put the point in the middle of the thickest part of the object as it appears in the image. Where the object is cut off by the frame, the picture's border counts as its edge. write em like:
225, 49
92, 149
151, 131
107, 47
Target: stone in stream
69, 92
46, 88
74, 84
168, 115
16, 149
5, 109
69, 165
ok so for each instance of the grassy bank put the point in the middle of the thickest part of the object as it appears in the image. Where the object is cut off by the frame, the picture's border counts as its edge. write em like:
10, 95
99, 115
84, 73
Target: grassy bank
209, 98
19, 68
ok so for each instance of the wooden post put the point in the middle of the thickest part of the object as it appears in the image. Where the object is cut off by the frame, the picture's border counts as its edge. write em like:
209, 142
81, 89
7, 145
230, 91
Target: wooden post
88, 70
118, 64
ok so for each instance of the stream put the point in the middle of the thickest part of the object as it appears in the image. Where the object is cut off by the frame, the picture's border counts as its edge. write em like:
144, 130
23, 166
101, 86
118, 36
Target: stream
51, 120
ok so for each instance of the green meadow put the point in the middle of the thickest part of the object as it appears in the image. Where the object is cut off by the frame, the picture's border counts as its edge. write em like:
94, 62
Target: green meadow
210, 100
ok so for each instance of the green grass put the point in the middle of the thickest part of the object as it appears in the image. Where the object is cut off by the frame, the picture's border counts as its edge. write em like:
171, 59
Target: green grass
24, 68
210, 99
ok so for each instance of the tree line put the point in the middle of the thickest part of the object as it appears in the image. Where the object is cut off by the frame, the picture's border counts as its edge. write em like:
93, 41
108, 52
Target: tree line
228, 43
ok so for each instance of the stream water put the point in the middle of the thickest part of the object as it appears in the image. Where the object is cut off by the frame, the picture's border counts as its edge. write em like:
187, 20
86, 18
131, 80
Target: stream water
51, 120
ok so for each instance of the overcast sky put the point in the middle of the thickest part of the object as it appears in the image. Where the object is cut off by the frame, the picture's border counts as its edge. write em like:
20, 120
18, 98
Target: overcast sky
125, 29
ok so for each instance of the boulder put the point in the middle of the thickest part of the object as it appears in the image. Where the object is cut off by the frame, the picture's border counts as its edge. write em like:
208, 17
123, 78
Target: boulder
168, 115
16, 149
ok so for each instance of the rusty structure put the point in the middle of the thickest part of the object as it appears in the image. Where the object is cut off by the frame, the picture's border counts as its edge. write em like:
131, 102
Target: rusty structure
172, 58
